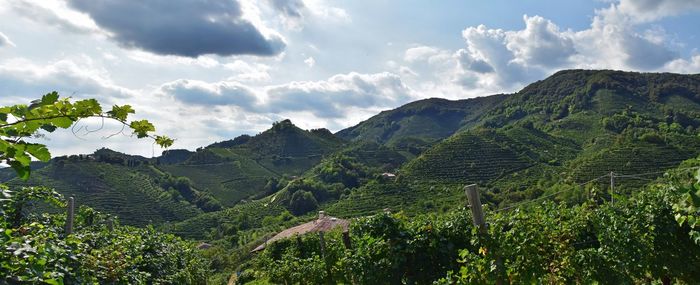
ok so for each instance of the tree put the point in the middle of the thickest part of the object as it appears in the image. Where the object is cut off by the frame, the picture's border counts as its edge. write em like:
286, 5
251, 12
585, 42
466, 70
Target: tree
302, 202
19, 122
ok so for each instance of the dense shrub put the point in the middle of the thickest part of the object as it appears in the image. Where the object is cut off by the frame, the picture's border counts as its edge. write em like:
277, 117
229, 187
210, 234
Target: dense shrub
302, 202
35, 248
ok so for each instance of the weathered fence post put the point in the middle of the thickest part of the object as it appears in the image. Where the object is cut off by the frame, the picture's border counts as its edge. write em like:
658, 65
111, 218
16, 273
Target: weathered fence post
612, 188
322, 243
346, 240
300, 245
472, 192
70, 215
110, 224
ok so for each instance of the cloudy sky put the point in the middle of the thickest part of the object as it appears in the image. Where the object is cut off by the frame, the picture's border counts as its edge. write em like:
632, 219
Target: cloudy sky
209, 70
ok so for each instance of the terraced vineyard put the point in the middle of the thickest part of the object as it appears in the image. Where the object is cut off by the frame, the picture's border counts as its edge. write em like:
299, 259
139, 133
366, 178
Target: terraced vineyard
542, 146
373, 154
407, 198
468, 157
639, 159
243, 216
113, 189
228, 182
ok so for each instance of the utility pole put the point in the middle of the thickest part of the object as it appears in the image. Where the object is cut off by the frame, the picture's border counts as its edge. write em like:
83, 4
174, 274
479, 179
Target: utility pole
612, 188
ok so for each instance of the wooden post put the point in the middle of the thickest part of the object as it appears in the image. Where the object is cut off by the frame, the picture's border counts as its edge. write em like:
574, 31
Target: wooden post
322, 243
300, 245
472, 192
346, 240
612, 188
70, 215
110, 224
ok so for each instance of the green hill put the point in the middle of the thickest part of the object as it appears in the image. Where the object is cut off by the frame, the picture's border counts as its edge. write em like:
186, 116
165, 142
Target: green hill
116, 189
567, 129
425, 120
182, 184
238, 169
572, 127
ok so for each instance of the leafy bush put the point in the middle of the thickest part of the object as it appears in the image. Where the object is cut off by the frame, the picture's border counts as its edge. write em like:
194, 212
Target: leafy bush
635, 240
302, 202
35, 248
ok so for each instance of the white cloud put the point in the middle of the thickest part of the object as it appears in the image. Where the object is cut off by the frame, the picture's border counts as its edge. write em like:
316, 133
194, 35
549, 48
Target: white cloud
540, 43
323, 11
690, 65
155, 59
310, 61
223, 96
428, 54
651, 10
407, 71
203, 93
488, 58
290, 11
330, 98
245, 71
614, 42
500, 60
55, 13
22, 78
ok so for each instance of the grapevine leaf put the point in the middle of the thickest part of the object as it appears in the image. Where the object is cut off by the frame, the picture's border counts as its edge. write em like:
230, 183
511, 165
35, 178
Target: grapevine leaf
164, 141
39, 151
53, 282
142, 127
22, 170
120, 113
22, 158
62, 122
49, 98
48, 128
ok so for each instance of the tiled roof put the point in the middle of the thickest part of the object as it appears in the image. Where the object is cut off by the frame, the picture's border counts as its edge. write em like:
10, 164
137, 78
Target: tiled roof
322, 224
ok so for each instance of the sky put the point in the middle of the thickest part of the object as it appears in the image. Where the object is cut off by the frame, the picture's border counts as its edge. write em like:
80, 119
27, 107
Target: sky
210, 70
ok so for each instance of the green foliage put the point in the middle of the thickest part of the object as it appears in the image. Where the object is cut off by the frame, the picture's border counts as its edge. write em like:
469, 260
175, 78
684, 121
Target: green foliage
632, 242
15, 204
19, 122
543, 140
243, 220
37, 251
302, 202
468, 157
636, 240
131, 193
687, 206
184, 188
425, 120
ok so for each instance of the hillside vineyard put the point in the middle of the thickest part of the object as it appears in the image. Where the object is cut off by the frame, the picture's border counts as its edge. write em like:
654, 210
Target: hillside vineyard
584, 177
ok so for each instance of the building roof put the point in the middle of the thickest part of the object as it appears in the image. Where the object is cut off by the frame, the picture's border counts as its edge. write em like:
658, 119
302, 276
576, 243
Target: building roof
322, 224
